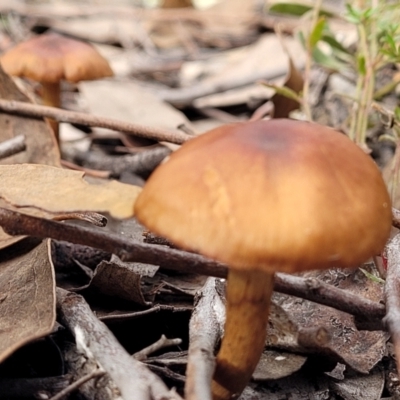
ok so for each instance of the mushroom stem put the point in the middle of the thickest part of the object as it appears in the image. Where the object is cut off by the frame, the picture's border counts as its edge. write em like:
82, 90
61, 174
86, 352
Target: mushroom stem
51, 97
247, 301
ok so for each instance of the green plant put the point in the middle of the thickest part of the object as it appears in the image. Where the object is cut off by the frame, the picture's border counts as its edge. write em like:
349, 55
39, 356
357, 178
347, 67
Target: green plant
377, 45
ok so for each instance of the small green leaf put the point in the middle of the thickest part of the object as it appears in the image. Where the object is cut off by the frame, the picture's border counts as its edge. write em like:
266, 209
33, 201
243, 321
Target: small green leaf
361, 67
331, 40
353, 15
295, 9
290, 8
327, 61
316, 34
390, 41
397, 113
372, 277
284, 91
368, 13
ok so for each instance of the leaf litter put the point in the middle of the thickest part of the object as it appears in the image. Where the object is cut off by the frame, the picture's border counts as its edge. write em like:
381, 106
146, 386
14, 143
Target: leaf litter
320, 351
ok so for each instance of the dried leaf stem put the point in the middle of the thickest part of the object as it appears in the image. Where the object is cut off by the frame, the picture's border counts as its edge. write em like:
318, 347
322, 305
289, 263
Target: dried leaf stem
130, 250
38, 111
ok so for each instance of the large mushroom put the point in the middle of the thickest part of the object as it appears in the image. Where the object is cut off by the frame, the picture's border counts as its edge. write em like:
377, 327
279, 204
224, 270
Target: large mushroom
50, 58
263, 197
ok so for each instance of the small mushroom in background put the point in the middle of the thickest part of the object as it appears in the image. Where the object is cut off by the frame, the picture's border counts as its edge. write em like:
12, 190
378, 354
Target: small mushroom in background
50, 58
263, 197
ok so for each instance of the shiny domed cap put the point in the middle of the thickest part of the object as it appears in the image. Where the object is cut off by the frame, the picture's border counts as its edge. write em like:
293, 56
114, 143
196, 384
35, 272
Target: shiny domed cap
278, 195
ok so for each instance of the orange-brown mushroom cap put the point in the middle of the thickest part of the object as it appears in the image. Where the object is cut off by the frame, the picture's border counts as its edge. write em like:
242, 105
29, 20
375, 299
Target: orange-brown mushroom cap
51, 57
270, 195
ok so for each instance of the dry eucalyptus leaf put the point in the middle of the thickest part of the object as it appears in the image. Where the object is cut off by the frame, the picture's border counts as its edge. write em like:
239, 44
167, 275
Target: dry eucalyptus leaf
282, 332
366, 387
130, 102
264, 59
58, 190
361, 350
27, 290
116, 279
299, 386
277, 365
41, 146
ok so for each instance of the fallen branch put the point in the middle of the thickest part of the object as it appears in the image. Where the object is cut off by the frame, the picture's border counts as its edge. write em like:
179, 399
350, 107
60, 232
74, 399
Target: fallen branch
205, 330
12, 146
38, 111
94, 339
128, 249
160, 344
392, 294
142, 163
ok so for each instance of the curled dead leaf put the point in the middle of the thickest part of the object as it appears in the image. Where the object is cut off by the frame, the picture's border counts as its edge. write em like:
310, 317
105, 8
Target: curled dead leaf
27, 300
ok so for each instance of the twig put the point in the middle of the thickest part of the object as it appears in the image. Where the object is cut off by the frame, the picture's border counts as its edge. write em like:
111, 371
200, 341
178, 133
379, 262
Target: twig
38, 111
87, 171
94, 339
315, 290
142, 163
135, 314
392, 294
128, 249
75, 385
160, 344
204, 332
12, 146
89, 216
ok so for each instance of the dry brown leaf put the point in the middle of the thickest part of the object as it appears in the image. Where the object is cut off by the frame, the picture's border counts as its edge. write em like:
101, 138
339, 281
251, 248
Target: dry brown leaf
264, 59
27, 290
366, 387
130, 102
41, 146
58, 190
277, 365
361, 350
283, 105
118, 280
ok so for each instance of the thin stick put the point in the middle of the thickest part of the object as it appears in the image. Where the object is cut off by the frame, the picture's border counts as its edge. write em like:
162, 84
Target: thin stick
75, 385
15, 223
12, 146
160, 344
38, 111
